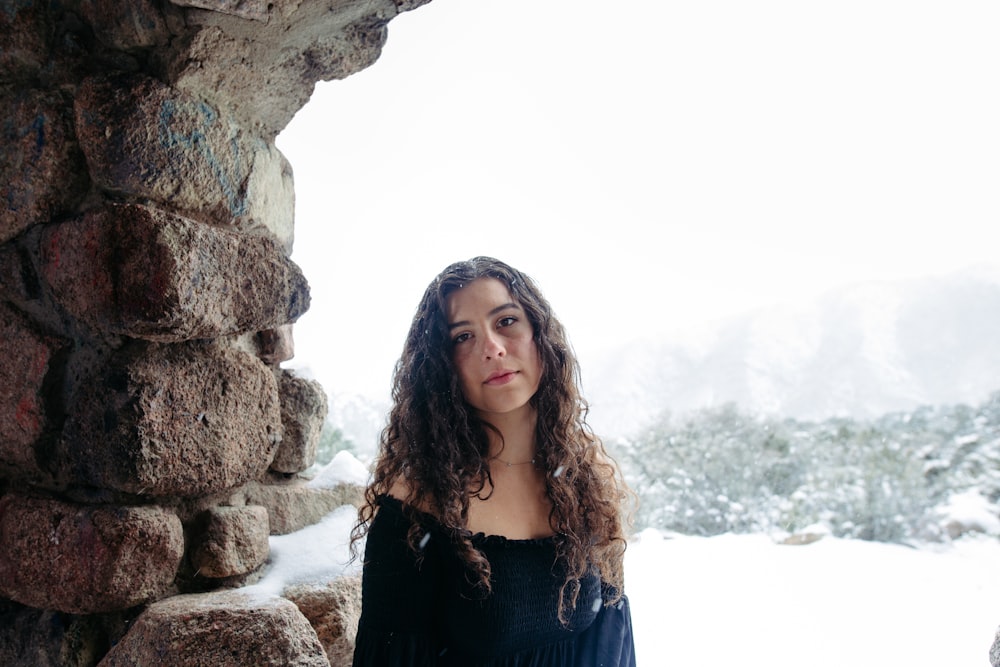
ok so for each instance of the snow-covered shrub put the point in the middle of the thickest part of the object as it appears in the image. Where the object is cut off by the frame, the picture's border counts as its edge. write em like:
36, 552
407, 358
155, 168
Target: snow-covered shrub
890, 479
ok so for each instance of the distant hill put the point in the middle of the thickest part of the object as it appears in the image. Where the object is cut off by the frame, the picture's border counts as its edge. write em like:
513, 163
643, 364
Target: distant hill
859, 351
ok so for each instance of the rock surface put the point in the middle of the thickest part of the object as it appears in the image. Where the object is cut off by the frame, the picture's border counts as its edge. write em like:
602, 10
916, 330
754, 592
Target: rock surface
109, 558
201, 163
173, 420
231, 541
293, 505
146, 302
146, 273
219, 629
333, 609
44, 638
41, 167
23, 380
303, 411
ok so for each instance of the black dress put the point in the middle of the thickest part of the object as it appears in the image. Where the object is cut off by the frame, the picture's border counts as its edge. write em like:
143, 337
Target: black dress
423, 612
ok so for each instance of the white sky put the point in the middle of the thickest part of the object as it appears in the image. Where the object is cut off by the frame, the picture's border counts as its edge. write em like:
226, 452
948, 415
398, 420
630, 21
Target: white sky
654, 165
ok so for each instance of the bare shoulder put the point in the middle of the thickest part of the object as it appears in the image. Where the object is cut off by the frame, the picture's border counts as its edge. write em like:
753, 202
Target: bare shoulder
400, 489
403, 491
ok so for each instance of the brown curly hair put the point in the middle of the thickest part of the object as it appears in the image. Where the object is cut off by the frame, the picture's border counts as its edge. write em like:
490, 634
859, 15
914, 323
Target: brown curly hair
439, 447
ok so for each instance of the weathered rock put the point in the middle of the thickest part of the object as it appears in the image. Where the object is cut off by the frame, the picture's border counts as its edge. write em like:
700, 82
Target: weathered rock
46, 638
333, 609
23, 39
231, 541
226, 628
800, 539
126, 25
146, 301
15, 278
173, 420
303, 411
293, 505
42, 171
276, 345
144, 273
109, 558
200, 163
24, 370
256, 10
297, 44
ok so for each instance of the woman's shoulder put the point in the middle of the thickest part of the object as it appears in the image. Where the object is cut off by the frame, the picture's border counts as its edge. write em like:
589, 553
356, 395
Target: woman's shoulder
401, 499
401, 490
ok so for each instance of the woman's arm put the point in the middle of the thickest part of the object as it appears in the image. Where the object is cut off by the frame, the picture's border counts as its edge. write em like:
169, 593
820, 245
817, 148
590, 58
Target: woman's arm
400, 593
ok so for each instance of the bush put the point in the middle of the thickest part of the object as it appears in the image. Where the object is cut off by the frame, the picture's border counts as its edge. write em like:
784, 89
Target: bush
721, 470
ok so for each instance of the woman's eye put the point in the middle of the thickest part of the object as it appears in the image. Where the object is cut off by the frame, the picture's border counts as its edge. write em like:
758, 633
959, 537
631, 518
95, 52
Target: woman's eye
506, 321
461, 338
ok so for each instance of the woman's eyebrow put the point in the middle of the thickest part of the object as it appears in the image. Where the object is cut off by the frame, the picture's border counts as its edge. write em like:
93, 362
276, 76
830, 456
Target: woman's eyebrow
498, 309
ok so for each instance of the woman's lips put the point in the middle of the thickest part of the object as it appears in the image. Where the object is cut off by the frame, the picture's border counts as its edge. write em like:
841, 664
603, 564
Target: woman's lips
500, 378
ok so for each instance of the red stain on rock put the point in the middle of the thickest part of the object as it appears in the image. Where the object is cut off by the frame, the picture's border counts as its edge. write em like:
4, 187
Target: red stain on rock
26, 414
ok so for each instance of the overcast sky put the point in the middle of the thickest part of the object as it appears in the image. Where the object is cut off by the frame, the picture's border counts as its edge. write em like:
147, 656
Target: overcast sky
653, 164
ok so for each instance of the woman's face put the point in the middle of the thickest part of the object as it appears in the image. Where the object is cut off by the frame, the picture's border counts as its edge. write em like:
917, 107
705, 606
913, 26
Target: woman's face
493, 348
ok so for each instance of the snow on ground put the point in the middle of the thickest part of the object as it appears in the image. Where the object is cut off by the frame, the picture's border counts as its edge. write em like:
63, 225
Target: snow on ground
315, 553
747, 600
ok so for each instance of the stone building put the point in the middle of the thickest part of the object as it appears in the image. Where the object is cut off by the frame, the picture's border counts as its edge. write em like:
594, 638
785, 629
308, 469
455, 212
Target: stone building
149, 440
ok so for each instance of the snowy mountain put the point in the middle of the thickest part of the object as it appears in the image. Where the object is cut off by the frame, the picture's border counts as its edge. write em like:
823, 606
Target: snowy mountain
859, 351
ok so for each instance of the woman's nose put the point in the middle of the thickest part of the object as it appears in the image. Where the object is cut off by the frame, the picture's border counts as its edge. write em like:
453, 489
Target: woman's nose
493, 346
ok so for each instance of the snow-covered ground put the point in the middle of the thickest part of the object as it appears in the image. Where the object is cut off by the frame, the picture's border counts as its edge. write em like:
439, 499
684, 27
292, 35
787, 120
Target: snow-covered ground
747, 600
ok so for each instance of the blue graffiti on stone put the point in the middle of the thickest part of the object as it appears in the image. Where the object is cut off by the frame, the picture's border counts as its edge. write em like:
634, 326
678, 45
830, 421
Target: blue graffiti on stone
197, 140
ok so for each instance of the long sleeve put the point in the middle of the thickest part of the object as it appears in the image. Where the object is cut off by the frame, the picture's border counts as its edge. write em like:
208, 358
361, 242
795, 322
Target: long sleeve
608, 641
400, 595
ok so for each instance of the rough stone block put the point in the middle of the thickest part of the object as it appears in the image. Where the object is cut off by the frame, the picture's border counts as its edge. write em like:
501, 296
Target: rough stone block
46, 638
42, 171
222, 628
256, 10
303, 411
294, 505
333, 609
231, 541
301, 43
24, 368
144, 139
23, 44
15, 277
86, 559
126, 25
145, 273
276, 345
172, 420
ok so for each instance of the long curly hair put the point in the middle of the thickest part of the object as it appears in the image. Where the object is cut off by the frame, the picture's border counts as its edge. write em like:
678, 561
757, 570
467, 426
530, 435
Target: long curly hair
438, 445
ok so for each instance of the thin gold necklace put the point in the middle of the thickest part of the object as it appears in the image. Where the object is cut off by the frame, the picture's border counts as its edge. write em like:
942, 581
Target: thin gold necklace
509, 464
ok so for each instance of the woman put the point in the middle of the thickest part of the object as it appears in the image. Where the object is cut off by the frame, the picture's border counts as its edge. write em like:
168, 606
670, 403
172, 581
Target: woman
493, 520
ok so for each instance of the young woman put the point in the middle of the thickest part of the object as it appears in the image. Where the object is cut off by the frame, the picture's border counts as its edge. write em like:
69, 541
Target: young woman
494, 518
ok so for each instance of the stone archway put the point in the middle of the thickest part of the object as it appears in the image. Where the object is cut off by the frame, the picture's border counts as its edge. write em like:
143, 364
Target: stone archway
149, 441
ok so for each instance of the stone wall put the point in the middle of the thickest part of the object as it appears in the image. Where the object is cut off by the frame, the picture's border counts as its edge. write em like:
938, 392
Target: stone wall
149, 440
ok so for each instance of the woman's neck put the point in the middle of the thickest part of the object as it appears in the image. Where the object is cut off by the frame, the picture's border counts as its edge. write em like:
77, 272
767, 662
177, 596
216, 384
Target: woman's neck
515, 444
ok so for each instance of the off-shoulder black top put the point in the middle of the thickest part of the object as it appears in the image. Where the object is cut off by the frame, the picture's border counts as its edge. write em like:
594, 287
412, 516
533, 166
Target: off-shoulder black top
419, 611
